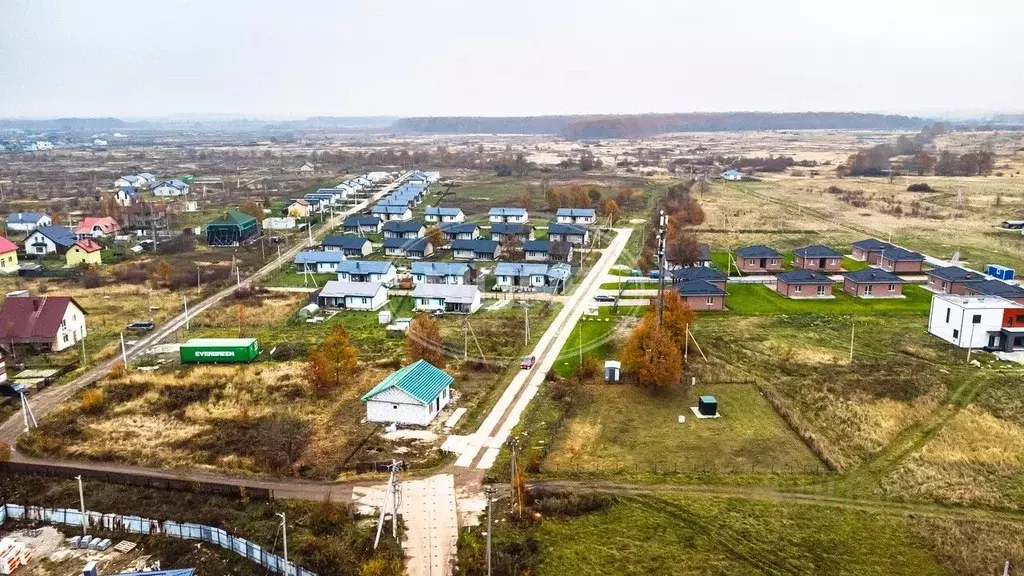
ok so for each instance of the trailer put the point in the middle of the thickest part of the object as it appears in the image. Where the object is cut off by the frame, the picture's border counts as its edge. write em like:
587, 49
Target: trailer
219, 350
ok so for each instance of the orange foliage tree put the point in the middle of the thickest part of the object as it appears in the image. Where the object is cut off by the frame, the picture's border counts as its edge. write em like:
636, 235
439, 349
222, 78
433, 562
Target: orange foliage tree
650, 357
332, 363
424, 341
677, 317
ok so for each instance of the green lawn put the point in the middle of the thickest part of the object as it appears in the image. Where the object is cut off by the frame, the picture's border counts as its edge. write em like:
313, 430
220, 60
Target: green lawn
287, 277
592, 336
757, 299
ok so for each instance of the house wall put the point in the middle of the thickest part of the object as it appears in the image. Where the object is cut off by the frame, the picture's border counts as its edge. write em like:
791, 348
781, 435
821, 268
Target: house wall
901, 266
943, 286
869, 256
397, 406
754, 264
960, 329
367, 303
9, 262
801, 290
72, 329
536, 257
429, 304
76, 256
48, 246
701, 302
877, 290
831, 264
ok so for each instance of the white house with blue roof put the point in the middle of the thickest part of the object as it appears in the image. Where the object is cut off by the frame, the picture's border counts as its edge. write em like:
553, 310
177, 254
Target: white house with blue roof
368, 271
171, 188
412, 395
318, 262
584, 216
26, 221
386, 212
513, 215
444, 214
443, 273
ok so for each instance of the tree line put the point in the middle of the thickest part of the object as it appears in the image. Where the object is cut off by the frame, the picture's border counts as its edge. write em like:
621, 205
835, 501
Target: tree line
918, 157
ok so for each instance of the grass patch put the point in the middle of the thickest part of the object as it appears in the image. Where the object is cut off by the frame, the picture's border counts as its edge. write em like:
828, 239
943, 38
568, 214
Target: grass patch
757, 299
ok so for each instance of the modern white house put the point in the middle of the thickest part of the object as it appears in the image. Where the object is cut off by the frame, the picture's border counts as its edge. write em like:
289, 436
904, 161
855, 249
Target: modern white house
732, 175
478, 249
513, 215
458, 299
512, 276
49, 240
437, 214
340, 295
26, 221
318, 262
389, 212
350, 246
584, 216
97, 227
983, 322
171, 188
126, 196
357, 224
443, 273
411, 396
408, 229
368, 271
572, 233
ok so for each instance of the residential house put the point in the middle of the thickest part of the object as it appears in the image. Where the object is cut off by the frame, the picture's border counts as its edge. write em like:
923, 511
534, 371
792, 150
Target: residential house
702, 295
896, 259
307, 167
51, 323
443, 273
97, 227
131, 181
558, 276
49, 240
758, 259
732, 175
171, 188
572, 233
350, 246
438, 214
411, 396
362, 224
84, 252
804, 284
341, 295
1008, 290
460, 231
233, 228
515, 215
385, 212
710, 275
454, 298
873, 283
145, 218
951, 279
478, 249
868, 250
126, 196
561, 252
318, 262
26, 221
8, 256
537, 251
298, 208
408, 247
514, 276
409, 229
983, 322
368, 271
333, 195
503, 232
582, 216
286, 223
817, 257
148, 180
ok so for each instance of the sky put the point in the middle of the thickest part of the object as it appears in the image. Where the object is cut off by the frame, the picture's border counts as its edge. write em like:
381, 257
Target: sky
298, 58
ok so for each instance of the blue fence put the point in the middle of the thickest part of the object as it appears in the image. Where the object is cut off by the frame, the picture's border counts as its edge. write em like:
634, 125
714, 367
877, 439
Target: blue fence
138, 525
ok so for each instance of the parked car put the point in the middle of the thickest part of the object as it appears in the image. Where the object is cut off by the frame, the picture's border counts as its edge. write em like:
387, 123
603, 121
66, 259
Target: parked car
141, 326
604, 298
528, 362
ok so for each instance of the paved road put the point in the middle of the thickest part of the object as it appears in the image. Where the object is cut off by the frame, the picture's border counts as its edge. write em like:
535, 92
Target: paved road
53, 396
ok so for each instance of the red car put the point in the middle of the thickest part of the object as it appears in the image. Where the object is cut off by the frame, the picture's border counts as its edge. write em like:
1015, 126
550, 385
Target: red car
528, 362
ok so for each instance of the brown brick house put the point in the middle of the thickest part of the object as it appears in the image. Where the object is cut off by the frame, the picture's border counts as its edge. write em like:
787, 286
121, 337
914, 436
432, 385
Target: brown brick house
952, 279
896, 259
873, 283
804, 284
702, 295
754, 259
817, 257
1011, 292
713, 276
869, 250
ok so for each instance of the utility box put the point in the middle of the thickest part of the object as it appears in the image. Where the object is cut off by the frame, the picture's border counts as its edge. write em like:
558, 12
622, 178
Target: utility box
219, 350
612, 370
707, 406
90, 569
384, 317
1001, 272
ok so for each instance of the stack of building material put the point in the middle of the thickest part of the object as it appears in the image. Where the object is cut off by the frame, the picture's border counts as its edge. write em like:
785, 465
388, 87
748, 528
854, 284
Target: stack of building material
12, 555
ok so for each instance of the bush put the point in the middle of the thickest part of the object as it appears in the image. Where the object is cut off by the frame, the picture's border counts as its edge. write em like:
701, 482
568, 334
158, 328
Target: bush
92, 401
920, 187
91, 279
131, 274
569, 504
5, 451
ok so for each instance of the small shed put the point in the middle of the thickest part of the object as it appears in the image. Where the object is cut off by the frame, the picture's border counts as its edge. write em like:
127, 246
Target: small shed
384, 317
612, 370
309, 310
707, 406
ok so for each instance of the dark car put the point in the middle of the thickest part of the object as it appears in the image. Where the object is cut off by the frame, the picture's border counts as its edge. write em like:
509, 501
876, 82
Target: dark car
604, 298
141, 326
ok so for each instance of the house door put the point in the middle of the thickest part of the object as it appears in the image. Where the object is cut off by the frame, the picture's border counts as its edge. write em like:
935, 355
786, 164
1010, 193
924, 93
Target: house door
764, 263
991, 340
821, 262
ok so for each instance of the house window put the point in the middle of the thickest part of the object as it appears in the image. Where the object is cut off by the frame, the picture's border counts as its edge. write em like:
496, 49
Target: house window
868, 289
956, 333
976, 319
892, 287
365, 301
710, 301
394, 406
821, 290
948, 310
65, 337
943, 285
1020, 318
797, 288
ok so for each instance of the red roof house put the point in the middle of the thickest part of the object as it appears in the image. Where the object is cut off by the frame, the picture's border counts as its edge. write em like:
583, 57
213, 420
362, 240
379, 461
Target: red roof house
97, 227
43, 322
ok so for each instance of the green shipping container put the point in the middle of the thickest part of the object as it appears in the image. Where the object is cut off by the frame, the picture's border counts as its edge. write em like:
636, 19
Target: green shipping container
219, 350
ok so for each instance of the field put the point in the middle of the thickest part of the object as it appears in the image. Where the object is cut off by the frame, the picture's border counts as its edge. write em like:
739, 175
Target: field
757, 300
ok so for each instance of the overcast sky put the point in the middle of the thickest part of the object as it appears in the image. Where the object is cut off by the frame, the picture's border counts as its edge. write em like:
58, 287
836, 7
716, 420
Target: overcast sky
298, 58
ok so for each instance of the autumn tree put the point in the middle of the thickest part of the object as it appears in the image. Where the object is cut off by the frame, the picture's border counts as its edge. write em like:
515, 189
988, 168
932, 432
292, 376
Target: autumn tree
578, 197
279, 439
677, 316
612, 211
625, 197
424, 341
512, 248
253, 209
526, 200
682, 248
556, 199
435, 236
650, 357
332, 363
595, 196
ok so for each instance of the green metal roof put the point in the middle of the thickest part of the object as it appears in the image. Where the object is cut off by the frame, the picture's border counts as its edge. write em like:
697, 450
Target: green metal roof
234, 217
421, 380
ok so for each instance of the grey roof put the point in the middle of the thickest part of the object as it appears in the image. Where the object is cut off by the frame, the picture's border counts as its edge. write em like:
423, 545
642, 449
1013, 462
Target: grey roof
695, 273
896, 253
816, 251
349, 242
318, 256
458, 227
510, 228
458, 293
956, 274
873, 276
439, 211
507, 212
757, 251
804, 277
571, 229
520, 269
386, 209
537, 246
872, 245
996, 288
576, 212
559, 271
395, 201
361, 220
336, 288
478, 245
440, 268
407, 244
402, 226
365, 267
24, 217
174, 184
59, 234
700, 288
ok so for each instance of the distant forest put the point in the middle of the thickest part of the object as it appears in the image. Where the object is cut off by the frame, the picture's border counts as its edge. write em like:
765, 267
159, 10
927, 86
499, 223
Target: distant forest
643, 125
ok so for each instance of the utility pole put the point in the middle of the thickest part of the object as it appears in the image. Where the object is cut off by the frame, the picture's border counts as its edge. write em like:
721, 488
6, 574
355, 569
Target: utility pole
853, 330
662, 224
124, 353
970, 344
526, 337
199, 284
83, 351
81, 501
284, 533
579, 341
490, 491
26, 410
392, 491
185, 302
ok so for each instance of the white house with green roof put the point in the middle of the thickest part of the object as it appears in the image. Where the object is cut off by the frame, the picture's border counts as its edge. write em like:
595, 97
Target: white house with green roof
412, 395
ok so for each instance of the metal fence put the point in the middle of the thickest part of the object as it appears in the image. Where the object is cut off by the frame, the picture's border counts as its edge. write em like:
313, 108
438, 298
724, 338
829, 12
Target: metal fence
138, 525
